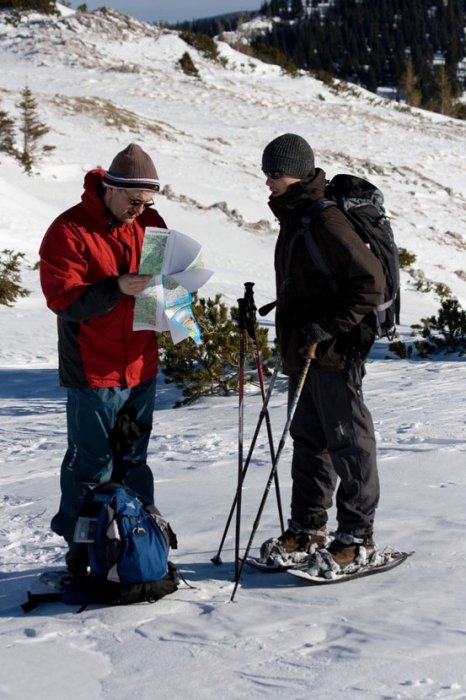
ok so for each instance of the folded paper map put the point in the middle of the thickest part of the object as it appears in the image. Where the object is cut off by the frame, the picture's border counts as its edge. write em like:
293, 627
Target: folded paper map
174, 261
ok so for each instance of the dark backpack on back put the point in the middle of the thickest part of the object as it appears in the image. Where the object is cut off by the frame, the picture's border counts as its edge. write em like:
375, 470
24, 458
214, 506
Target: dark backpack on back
125, 545
362, 204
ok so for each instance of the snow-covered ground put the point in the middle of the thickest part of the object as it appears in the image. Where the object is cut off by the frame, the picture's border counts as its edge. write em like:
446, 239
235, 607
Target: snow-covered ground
101, 81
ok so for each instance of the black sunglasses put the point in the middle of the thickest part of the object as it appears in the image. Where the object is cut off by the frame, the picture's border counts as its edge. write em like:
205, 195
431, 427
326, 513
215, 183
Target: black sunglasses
138, 202
274, 175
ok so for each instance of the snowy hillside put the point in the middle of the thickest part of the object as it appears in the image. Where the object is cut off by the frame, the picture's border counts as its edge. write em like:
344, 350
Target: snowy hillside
103, 80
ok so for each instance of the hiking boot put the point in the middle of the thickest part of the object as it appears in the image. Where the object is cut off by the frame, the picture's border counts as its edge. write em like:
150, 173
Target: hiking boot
347, 549
294, 546
345, 554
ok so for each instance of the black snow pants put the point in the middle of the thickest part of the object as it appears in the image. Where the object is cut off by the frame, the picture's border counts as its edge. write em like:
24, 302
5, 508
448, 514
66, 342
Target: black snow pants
333, 438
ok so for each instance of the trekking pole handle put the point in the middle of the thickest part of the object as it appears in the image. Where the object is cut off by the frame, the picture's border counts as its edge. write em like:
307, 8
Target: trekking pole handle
250, 310
241, 314
248, 289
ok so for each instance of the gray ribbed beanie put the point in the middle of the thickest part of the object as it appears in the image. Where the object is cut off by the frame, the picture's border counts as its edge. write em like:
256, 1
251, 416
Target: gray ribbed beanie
289, 154
132, 169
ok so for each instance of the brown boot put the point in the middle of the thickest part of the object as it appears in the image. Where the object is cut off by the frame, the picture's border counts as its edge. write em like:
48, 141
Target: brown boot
293, 541
346, 550
293, 546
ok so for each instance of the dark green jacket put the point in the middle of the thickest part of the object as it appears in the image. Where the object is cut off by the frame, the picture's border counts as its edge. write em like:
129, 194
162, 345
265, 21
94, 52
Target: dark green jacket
306, 302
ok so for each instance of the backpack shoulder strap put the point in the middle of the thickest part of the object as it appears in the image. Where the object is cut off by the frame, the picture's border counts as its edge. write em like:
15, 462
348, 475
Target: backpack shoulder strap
313, 249
304, 230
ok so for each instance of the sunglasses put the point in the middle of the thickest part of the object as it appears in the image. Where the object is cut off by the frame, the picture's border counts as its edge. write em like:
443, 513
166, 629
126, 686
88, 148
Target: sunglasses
139, 202
274, 175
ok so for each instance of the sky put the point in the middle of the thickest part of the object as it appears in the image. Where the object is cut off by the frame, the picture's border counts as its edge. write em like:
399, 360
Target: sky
399, 635
173, 11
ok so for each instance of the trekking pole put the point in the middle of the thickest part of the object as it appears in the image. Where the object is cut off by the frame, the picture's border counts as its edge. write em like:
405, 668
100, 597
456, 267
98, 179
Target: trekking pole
241, 327
217, 559
281, 444
250, 321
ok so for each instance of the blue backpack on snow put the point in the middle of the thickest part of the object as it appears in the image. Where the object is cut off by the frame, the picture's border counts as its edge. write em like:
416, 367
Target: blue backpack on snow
125, 545
122, 553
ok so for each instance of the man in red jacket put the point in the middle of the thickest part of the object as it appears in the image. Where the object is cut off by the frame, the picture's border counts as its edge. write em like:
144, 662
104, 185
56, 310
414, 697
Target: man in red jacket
89, 260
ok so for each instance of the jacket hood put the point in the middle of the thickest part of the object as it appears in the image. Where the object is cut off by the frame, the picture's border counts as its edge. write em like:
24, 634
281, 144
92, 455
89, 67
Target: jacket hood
92, 197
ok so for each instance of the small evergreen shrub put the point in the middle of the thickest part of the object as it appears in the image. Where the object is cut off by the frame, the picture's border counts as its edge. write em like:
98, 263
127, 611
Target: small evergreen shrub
443, 291
47, 7
406, 258
401, 349
270, 54
324, 76
202, 43
212, 367
10, 277
445, 332
187, 66
423, 284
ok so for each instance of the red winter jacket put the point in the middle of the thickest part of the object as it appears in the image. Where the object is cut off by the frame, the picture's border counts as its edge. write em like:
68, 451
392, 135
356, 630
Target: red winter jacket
81, 257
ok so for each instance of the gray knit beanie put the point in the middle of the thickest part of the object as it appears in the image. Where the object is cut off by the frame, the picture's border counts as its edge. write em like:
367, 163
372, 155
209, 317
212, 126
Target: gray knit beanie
289, 154
132, 169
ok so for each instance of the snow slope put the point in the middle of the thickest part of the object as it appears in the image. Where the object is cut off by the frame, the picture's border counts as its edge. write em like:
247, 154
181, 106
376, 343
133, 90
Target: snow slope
101, 81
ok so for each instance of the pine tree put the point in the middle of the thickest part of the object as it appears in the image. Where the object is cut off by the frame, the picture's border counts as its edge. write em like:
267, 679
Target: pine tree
276, 8
32, 130
443, 94
10, 278
367, 41
7, 133
408, 85
296, 10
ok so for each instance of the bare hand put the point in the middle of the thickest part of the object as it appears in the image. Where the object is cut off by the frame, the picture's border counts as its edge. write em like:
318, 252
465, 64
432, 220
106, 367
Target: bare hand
133, 284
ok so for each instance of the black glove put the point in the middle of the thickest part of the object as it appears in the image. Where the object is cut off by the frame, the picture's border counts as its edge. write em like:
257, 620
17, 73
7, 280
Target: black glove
315, 333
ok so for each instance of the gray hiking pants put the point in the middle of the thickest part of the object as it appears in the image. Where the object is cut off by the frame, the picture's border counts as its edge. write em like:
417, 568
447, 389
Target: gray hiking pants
91, 459
333, 438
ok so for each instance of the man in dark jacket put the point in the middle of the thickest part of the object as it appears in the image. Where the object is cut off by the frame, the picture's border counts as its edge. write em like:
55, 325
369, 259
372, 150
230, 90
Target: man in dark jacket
89, 260
332, 430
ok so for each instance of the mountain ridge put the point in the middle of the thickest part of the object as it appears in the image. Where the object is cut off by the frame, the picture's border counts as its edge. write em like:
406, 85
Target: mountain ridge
121, 78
